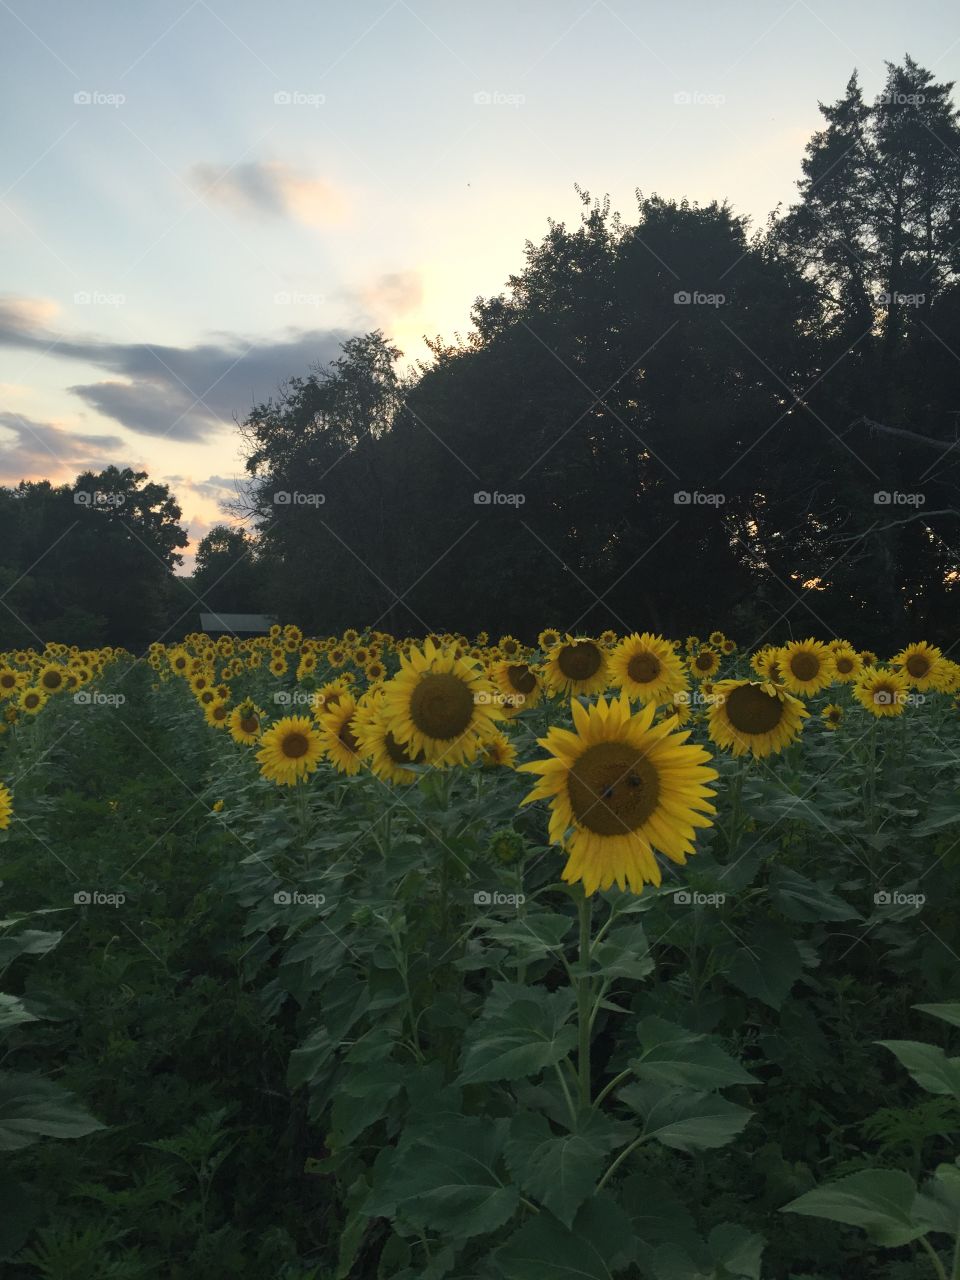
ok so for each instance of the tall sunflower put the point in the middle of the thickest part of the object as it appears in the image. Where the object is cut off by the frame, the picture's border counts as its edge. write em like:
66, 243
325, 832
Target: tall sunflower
621, 788
290, 750
705, 663
806, 666
576, 666
754, 716
338, 733
846, 662
883, 693
441, 706
246, 723
922, 665
647, 667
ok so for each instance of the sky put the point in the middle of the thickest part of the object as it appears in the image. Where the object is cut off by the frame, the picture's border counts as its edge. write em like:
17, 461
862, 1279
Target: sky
200, 199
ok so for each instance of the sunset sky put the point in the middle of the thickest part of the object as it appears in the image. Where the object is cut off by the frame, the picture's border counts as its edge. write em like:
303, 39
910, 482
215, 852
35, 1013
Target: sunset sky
198, 200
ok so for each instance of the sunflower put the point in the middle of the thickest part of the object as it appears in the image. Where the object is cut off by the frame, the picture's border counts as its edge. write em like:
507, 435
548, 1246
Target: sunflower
576, 666
869, 658
207, 696
217, 714
499, 752
608, 638
51, 678
10, 681
510, 647
678, 711
922, 665
691, 644
245, 723
846, 662
6, 807
705, 663
278, 666
647, 667
621, 788
385, 756
883, 693
338, 725
290, 750
519, 685
32, 700
806, 666
832, 716
375, 671
440, 705
337, 656
328, 696
548, 639
350, 636
728, 646
755, 716
717, 638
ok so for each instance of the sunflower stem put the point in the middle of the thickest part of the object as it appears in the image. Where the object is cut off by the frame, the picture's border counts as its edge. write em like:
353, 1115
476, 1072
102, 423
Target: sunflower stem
937, 1264
584, 998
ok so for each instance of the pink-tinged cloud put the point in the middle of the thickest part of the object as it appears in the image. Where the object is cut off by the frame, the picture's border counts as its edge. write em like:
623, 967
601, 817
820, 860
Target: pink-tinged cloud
267, 190
31, 450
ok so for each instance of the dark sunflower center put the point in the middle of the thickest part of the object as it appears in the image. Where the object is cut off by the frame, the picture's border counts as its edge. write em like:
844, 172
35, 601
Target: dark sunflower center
579, 661
220, 713
844, 665
348, 738
441, 705
805, 665
294, 746
249, 724
52, 680
522, 678
750, 710
918, 665
396, 752
613, 789
8, 682
643, 667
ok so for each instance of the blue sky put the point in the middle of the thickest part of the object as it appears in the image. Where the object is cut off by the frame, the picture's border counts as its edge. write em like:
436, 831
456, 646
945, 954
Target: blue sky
198, 199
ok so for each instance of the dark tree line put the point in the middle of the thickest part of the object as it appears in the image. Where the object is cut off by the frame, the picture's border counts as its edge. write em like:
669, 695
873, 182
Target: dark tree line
679, 423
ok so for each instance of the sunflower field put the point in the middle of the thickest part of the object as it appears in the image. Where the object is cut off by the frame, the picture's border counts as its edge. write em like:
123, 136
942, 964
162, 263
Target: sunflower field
362, 956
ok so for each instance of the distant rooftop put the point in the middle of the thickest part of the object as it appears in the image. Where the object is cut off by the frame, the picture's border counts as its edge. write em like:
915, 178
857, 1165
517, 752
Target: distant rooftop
236, 622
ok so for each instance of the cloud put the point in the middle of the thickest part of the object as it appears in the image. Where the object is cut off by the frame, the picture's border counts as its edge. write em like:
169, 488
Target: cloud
267, 190
31, 449
181, 393
394, 293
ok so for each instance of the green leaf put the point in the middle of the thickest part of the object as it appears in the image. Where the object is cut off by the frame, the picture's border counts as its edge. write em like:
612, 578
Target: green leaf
658, 1214
938, 1204
361, 1099
33, 1107
521, 1031
947, 1012
878, 1200
802, 899
928, 1064
685, 1120
537, 933
767, 965
32, 942
561, 1170
624, 953
737, 1250
673, 1056
447, 1181
13, 1011
599, 1245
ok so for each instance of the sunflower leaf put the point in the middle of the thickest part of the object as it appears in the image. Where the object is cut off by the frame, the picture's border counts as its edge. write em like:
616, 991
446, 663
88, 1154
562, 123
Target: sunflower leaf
880, 1201
674, 1056
683, 1119
521, 1031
